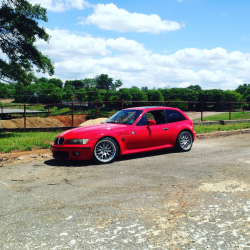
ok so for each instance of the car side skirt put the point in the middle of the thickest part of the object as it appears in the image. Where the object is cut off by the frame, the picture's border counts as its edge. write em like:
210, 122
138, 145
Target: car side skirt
140, 150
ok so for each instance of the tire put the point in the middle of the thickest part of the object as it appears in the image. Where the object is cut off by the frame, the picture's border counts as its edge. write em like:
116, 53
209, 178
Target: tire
184, 141
105, 151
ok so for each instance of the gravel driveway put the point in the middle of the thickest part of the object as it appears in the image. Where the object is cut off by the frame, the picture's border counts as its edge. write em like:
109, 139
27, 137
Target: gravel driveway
162, 200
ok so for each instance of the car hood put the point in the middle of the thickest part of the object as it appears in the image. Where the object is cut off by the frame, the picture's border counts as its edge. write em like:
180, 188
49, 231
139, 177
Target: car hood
93, 131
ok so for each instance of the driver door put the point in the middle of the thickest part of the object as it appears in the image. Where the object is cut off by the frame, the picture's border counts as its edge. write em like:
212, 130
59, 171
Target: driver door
154, 135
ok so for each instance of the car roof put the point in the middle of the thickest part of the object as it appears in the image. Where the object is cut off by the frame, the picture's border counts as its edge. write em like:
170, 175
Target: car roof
152, 108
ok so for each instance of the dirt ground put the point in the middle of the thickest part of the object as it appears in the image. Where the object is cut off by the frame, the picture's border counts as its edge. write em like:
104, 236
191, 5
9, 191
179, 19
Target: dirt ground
66, 119
31, 122
6, 100
93, 121
158, 200
37, 122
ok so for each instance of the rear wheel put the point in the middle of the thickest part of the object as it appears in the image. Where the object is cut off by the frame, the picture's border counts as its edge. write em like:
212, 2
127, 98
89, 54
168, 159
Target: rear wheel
184, 141
105, 150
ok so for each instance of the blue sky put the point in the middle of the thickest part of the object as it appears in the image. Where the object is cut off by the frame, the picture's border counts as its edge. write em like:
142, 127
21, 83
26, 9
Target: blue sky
154, 43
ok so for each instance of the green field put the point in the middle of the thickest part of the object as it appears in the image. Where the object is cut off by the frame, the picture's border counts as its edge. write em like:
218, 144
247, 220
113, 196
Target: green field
200, 129
14, 141
225, 116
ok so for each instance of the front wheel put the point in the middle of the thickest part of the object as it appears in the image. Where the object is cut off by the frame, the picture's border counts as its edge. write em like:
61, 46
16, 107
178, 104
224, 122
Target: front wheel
105, 150
184, 141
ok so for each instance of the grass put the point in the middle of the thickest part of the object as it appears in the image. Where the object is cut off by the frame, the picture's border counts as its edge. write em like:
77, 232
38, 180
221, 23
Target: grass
54, 110
200, 129
14, 141
225, 116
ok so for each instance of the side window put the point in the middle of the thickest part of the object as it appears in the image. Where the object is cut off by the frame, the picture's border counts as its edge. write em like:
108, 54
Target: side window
157, 115
142, 121
174, 116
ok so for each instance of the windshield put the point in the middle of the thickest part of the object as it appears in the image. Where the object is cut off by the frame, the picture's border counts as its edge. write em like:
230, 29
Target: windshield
124, 117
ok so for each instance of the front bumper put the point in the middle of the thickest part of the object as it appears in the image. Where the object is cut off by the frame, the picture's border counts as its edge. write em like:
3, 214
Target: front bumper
73, 152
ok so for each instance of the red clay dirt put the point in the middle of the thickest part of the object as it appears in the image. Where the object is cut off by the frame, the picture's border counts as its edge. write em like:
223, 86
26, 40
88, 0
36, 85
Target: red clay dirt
66, 119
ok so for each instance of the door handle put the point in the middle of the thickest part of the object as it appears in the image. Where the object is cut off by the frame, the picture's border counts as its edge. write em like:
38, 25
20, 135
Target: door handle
165, 128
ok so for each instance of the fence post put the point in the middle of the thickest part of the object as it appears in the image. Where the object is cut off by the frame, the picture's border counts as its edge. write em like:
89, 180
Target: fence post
72, 114
201, 111
95, 110
168, 103
122, 103
48, 110
230, 110
24, 108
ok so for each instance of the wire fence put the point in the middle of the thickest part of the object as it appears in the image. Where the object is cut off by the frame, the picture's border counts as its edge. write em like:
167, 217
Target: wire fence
93, 110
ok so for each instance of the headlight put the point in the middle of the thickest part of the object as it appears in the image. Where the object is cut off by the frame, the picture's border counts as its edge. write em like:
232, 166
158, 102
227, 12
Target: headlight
78, 141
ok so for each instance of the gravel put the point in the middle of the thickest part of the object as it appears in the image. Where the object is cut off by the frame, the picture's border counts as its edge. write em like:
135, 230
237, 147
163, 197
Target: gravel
159, 200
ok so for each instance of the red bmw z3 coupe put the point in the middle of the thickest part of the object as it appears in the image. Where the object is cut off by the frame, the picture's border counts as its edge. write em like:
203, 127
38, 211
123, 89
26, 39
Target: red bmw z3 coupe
129, 131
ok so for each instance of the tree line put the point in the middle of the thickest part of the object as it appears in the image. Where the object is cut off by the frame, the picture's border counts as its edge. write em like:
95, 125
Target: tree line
104, 88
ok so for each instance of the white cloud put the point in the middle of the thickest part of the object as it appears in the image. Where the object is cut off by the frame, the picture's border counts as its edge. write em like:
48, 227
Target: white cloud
79, 56
127, 46
66, 45
110, 17
61, 5
197, 58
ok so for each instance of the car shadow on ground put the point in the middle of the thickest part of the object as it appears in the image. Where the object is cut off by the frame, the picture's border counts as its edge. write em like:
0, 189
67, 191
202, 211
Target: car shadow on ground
65, 163
146, 154
86, 163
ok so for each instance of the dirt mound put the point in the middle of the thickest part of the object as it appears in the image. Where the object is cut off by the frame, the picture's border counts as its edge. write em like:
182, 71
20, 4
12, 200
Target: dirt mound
31, 122
6, 100
66, 119
93, 121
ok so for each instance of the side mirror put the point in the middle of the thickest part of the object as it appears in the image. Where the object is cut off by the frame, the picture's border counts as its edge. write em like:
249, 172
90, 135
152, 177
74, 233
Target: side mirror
151, 122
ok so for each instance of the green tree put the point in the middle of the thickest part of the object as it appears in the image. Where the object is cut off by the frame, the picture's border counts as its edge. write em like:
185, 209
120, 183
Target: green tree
113, 97
6, 90
181, 94
244, 90
56, 82
78, 84
194, 87
232, 96
89, 83
81, 95
56, 95
68, 95
42, 80
117, 84
155, 95
124, 94
19, 30
212, 95
110, 95
144, 89
94, 95
137, 94
103, 81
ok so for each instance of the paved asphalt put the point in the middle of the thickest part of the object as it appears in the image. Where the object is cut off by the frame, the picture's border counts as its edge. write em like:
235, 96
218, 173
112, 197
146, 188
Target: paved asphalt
161, 200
